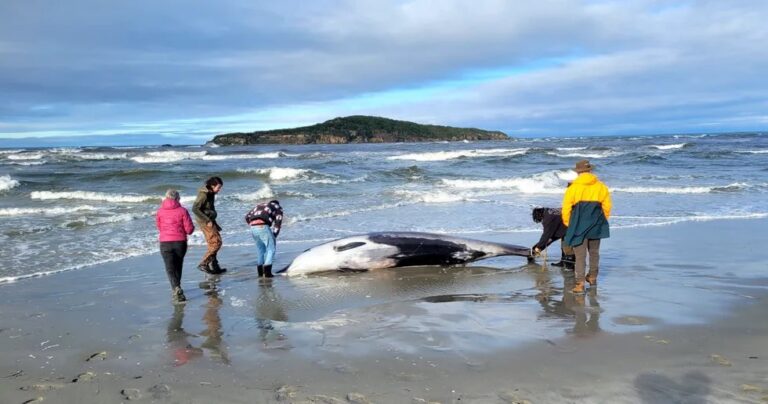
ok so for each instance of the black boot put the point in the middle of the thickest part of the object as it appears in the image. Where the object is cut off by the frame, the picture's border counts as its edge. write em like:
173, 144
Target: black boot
268, 271
260, 269
562, 261
216, 268
205, 268
570, 262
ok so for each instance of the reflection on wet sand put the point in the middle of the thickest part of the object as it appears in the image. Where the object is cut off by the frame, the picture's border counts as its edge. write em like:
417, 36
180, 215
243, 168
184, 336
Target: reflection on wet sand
213, 343
270, 307
587, 318
178, 339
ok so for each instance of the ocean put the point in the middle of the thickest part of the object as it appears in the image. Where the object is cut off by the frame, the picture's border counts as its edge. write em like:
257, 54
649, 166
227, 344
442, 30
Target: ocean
64, 209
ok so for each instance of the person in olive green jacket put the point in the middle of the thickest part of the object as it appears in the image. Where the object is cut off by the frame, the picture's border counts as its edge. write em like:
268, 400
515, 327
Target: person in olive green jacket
205, 215
586, 209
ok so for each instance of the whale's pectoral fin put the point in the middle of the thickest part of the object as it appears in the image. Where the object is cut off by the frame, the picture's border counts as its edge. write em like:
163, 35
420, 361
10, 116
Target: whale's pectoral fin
348, 246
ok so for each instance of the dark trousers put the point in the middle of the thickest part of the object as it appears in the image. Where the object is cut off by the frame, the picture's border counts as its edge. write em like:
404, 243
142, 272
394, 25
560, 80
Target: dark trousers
593, 248
173, 253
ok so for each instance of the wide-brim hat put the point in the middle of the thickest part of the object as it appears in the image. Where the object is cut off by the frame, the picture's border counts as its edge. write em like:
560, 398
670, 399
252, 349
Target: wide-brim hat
583, 166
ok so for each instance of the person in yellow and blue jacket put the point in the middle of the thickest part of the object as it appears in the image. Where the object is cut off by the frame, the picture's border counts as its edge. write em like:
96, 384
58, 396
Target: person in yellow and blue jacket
586, 209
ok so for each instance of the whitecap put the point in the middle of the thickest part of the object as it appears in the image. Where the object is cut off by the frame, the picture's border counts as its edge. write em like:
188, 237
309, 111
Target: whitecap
450, 155
752, 151
278, 173
93, 196
550, 182
45, 211
664, 190
25, 156
168, 156
669, 146
6, 183
263, 193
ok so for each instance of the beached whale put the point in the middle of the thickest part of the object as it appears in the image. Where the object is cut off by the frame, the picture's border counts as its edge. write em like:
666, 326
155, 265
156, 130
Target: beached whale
396, 249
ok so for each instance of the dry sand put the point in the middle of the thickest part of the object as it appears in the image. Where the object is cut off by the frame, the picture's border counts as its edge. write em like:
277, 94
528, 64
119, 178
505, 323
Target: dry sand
679, 316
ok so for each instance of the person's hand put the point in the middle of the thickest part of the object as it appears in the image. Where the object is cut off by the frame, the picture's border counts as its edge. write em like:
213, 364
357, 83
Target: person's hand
210, 224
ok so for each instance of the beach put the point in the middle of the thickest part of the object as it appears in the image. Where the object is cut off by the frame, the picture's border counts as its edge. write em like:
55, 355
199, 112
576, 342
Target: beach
678, 316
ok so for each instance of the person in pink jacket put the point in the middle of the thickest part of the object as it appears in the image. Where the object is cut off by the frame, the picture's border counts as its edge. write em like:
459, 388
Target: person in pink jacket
174, 223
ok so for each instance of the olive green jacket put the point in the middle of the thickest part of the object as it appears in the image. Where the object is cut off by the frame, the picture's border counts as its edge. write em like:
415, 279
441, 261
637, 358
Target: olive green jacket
204, 208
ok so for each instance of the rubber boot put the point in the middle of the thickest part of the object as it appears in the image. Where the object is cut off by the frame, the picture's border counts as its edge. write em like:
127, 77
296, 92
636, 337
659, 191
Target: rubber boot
260, 269
562, 261
216, 268
268, 271
578, 287
205, 268
569, 262
592, 278
178, 296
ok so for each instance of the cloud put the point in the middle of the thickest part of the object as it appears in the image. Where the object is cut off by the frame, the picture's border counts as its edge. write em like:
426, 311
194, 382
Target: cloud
561, 67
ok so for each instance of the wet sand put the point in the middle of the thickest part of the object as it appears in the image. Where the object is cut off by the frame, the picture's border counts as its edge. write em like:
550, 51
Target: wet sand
679, 316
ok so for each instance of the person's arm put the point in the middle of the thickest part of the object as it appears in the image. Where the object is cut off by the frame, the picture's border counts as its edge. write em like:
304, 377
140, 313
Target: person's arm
189, 227
196, 207
550, 223
567, 205
278, 222
157, 220
606, 203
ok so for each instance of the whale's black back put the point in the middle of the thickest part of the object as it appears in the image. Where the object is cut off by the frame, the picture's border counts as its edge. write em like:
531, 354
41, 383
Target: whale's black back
415, 251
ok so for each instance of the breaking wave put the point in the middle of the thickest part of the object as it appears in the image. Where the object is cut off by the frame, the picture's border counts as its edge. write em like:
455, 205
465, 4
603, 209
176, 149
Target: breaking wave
44, 211
683, 190
6, 183
450, 155
551, 182
93, 196
668, 146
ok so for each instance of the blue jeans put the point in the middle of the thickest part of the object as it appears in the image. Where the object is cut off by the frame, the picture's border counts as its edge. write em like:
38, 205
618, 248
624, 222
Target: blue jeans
265, 244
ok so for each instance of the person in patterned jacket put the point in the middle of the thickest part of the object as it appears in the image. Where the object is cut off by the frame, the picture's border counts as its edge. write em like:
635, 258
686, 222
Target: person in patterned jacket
265, 220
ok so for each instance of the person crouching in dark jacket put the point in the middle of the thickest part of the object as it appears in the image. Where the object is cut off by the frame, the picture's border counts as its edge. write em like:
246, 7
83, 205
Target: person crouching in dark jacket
554, 229
265, 220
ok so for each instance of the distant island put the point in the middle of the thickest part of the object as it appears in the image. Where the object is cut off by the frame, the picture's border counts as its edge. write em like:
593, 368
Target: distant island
359, 129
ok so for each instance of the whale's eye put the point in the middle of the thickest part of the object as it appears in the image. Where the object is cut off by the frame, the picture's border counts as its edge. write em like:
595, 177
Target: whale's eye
348, 246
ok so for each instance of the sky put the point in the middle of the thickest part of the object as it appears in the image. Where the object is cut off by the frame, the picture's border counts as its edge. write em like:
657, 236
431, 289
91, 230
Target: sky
181, 71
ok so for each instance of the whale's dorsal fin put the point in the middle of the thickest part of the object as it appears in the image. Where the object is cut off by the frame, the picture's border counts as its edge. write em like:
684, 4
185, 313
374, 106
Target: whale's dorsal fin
348, 246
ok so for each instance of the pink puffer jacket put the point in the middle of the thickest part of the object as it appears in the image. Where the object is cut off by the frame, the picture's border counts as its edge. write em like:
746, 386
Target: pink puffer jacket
173, 221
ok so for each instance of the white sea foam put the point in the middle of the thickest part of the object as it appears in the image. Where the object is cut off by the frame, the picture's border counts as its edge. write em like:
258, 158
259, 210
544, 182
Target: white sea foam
6, 183
11, 151
752, 151
434, 196
118, 218
278, 173
25, 156
651, 221
45, 211
168, 156
263, 193
668, 146
450, 155
218, 157
101, 156
681, 190
28, 163
93, 196
571, 148
591, 154
339, 213
550, 182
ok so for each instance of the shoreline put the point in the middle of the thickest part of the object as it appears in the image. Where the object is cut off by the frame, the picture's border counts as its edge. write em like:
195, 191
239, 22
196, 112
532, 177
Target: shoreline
682, 323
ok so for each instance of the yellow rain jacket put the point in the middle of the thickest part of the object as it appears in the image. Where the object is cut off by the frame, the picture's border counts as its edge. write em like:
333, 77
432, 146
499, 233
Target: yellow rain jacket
586, 209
